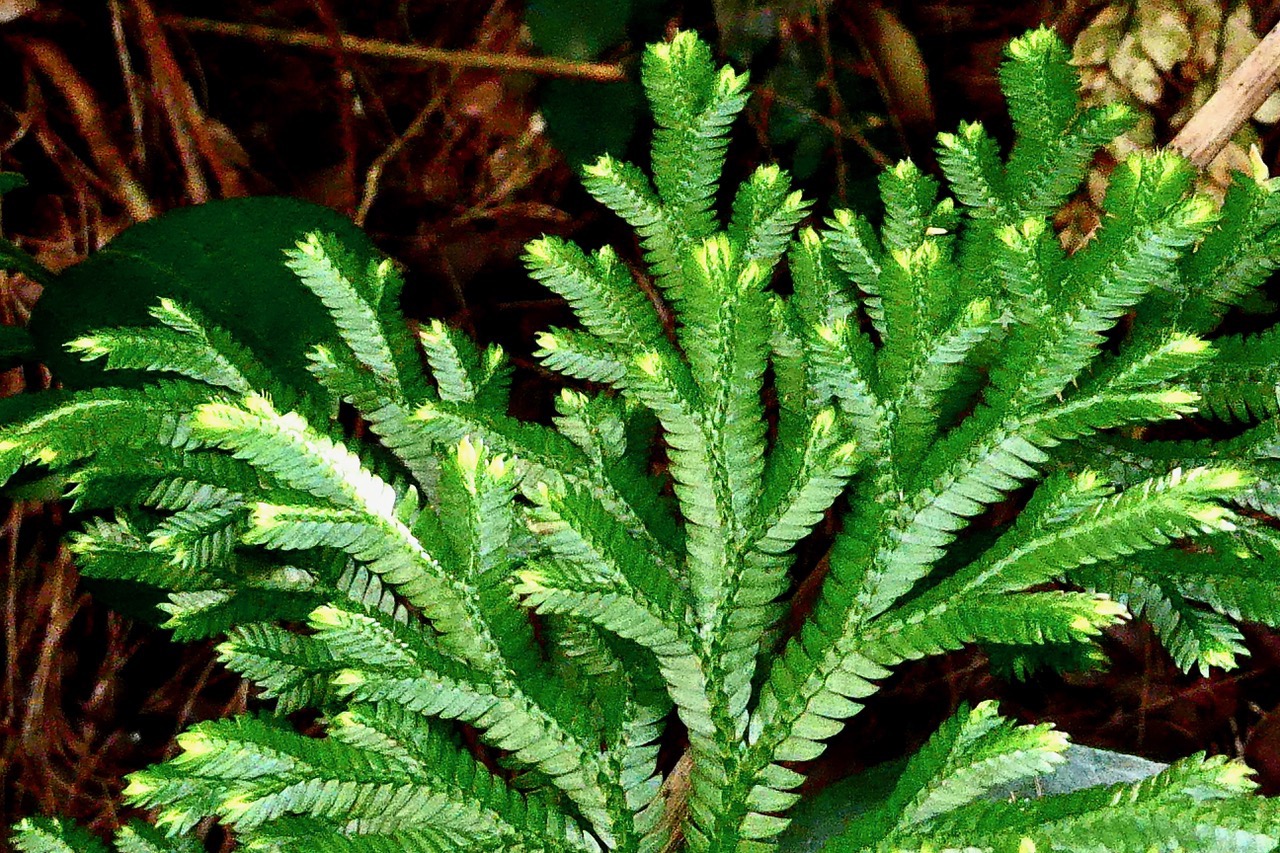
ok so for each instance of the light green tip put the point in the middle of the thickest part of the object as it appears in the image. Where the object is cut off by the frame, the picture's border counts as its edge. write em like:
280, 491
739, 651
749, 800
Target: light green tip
236, 806
1228, 480
649, 363
88, 344
1236, 776
498, 467
601, 168
823, 421
1181, 344
138, 787
325, 616
433, 334
468, 454
1219, 659
833, 333
1034, 44
349, 678
905, 169
1178, 398
573, 399
265, 515
531, 580
195, 744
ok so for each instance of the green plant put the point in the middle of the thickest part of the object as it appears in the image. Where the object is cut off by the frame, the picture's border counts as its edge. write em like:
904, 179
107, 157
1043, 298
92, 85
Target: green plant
929, 372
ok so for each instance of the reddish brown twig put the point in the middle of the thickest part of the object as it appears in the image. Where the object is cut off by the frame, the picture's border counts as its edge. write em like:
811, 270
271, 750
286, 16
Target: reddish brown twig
541, 65
346, 103
190, 134
52, 62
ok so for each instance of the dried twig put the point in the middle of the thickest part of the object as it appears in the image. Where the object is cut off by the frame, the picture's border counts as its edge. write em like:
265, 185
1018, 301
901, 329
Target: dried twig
1207, 133
133, 96
373, 176
346, 102
543, 65
189, 132
80, 97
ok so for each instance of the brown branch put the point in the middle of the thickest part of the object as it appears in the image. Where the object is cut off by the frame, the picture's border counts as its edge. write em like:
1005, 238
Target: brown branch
190, 133
373, 177
544, 65
346, 103
89, 120
1238, 98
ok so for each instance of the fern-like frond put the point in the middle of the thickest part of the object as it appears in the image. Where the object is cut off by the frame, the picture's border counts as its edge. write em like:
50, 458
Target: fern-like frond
765, 215
454, 360
973, 752
477, 497
421, 746
839, 366
1174, 358
389, 415
388, 548
75, 427
625, 189
284, 446
596, 424
1142, 517
580, 355
1054, 140
1196, 804
1033, 619
970, 160
1154, 222
1234, 259
582, 537
120, 549
139, 837
186, 345
50, 835
600, 290
387, 662
263, 770
293, 669
543, 455
693, 106
1241, 382
916, 409
204, 613
352, 297
1196, 638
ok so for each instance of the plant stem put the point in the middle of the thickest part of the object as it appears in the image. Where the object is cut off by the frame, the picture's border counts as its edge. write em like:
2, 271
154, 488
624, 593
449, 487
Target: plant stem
544, 65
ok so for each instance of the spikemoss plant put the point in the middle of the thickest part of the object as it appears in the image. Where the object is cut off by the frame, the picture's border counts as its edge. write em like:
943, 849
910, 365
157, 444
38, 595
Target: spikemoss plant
575, 594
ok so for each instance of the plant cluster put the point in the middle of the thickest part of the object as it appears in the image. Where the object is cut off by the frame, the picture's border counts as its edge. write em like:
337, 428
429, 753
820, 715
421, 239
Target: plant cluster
494, 624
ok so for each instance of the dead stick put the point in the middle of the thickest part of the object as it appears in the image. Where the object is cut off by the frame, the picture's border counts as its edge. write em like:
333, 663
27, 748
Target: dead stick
549, 66
184, 112
1240, 95
91, 123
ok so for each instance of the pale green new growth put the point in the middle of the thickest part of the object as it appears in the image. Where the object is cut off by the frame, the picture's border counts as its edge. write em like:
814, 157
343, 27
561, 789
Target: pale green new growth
968, 394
